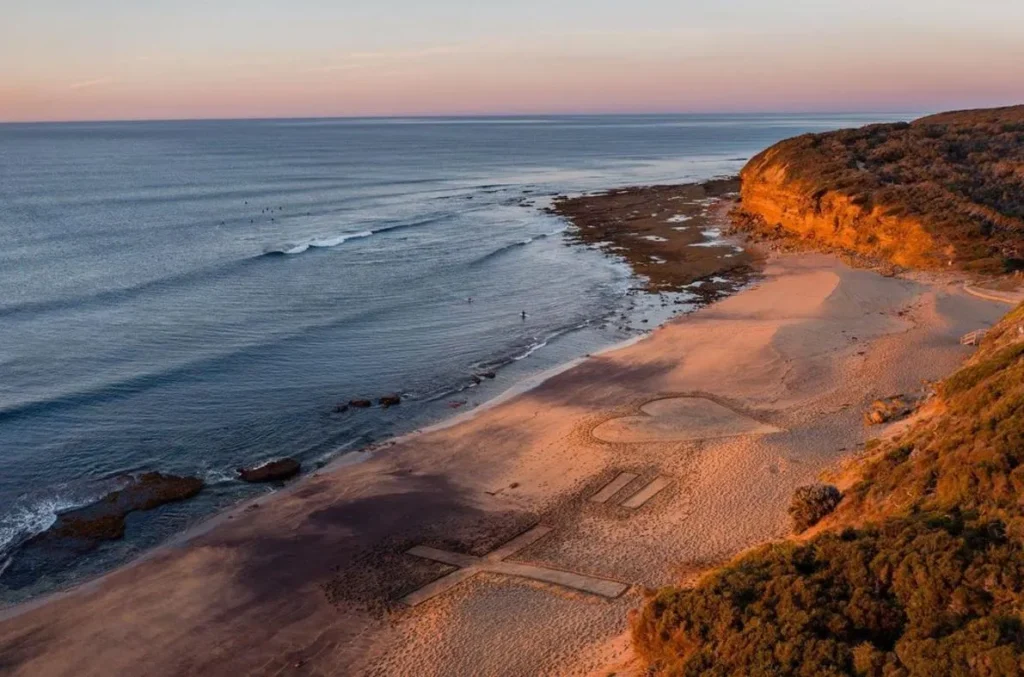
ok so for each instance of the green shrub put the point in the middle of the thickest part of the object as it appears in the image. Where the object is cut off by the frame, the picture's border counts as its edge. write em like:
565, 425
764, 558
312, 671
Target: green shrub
927, 595
811, 503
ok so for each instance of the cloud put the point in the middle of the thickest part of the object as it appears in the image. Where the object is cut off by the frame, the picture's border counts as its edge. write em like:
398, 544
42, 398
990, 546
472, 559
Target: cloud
98, 82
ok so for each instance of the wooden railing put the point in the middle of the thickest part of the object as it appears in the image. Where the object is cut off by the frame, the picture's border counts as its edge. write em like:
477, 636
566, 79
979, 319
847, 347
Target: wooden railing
972, 338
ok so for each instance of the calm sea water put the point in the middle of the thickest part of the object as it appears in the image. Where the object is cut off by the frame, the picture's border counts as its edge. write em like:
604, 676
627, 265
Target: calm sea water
190, 297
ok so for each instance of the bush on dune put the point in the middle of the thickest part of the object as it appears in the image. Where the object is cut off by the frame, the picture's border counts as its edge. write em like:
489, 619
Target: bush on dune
932, 594
811, 503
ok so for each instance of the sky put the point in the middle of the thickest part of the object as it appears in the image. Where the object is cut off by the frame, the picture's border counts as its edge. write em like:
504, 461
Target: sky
171, 59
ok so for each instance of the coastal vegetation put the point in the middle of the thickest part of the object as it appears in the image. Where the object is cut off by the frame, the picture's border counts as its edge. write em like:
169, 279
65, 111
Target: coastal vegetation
942, 191
811, 503
919, 571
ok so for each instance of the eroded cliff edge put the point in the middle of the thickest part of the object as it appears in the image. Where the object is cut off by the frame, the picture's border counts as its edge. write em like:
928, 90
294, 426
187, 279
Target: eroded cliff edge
945, 191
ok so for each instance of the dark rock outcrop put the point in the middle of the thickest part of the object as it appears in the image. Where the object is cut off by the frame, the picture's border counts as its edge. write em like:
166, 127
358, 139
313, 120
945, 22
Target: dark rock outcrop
390, 400
360, 404
84, 528
281, 469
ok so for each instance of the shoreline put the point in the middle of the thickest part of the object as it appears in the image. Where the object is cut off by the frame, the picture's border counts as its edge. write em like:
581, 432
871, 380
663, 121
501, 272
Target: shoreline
705, 212
325, 557
210, 522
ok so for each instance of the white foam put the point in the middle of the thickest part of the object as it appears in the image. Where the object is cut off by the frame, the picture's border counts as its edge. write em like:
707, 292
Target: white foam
219, 476
326, 242
29, 516
530, 351
714, 236
678, 218
27, 521
339, 239
654, 238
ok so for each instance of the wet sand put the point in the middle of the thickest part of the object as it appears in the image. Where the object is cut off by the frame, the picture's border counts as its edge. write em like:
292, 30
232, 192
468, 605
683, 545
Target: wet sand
773, 380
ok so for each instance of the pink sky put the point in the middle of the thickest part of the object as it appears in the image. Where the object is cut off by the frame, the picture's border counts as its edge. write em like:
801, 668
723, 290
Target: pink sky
280, 71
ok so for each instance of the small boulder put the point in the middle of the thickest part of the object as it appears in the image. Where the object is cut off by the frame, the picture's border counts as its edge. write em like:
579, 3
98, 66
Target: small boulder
875, 417
360, 404
811, 503
889, 409
487, 374
280, 469
390, 400
340, 408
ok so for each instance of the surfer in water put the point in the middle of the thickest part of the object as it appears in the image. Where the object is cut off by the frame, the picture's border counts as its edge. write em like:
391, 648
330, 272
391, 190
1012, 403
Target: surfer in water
523, 314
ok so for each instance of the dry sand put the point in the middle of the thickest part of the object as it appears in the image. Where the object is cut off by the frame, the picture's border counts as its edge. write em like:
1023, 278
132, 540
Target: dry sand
776, 376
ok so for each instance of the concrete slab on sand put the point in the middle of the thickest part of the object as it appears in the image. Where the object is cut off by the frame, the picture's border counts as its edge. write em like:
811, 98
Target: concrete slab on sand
676, 419
635, 499
613, 487
647, 492
494, 563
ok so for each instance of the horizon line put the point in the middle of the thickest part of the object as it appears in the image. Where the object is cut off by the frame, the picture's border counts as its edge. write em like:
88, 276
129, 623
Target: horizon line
482, 116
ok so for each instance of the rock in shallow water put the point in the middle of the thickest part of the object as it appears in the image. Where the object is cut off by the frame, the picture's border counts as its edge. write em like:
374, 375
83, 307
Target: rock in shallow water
84, 528
280, 469
390, 400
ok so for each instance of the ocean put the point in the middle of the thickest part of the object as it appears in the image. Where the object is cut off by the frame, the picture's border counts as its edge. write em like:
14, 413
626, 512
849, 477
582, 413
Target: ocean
192, 297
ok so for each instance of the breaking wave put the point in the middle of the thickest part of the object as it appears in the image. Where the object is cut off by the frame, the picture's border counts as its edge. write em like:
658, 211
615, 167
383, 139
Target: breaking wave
505, 249
341, 238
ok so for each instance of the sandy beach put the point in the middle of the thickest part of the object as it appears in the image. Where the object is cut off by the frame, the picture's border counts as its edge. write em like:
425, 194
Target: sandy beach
725, 411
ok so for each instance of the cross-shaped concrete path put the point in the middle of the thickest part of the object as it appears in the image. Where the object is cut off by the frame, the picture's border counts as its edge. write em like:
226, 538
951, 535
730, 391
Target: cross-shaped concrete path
494, 563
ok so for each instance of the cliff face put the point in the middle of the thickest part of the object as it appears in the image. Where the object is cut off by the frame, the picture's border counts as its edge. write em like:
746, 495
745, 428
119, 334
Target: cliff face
947, 190
833, 218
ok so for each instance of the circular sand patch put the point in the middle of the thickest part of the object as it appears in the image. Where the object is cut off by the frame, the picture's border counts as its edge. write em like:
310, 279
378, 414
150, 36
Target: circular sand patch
678, 419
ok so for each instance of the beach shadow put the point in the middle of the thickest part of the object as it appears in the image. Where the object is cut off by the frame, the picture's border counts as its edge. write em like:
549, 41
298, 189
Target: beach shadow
21, 647
355, 550
601, 382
